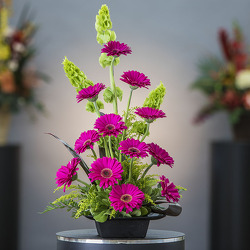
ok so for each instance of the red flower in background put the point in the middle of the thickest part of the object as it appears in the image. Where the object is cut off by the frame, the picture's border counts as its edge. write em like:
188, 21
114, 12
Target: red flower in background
231, 99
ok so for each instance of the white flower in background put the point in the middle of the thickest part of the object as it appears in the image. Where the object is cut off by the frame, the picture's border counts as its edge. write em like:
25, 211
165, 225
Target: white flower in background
13, 65
18, 47
242, 80
8, 32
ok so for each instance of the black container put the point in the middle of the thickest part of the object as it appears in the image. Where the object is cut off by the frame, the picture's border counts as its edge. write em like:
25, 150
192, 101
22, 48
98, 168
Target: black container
230, 214
9, 186
126, 227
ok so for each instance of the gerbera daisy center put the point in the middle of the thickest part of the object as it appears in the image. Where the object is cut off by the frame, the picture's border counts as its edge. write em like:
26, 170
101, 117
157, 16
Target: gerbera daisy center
126, 198
106, 173
110, 127
87, 142
134, 150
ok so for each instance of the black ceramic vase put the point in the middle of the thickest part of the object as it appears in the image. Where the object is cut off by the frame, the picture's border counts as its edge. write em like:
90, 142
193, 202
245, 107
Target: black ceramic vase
132, 227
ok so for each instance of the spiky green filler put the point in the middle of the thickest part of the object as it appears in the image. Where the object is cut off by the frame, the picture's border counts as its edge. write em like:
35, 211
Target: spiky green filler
103, 25
155, 97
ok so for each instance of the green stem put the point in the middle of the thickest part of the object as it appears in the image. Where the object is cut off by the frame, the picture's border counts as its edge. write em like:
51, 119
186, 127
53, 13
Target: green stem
84, 183
130, 170
145, 132
110, 147
93, 151
96, 109
128, 105
125, 119
106, 147
146, 170
113, 87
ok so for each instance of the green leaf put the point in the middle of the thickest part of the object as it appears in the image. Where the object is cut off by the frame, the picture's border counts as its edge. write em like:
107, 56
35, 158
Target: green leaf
144, 211
234, 116
102, 216
147, 190
136, 212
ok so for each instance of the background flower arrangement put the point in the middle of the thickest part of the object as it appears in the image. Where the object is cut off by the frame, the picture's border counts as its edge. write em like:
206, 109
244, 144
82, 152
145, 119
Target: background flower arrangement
226, 82
18, 78
120, 185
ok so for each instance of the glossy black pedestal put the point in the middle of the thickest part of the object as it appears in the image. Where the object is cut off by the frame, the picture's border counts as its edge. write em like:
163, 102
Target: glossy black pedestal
87, 239
9, 186
230, 211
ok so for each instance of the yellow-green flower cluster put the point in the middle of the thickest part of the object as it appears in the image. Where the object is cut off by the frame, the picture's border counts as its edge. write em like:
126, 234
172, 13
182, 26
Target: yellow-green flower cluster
155, 97
76, 77
103, 25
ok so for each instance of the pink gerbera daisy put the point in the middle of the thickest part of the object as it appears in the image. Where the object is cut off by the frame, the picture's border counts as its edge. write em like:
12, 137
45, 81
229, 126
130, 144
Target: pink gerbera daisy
160, 156
150, 114
126, 196
107, 170
135, 79
90, 92
134, 148
86, 140
115, 48
65, 174
110, 124
169, 190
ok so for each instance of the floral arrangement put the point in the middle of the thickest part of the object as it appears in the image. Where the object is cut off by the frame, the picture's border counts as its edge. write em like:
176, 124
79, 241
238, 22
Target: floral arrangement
226, 82
120, 185
18, 78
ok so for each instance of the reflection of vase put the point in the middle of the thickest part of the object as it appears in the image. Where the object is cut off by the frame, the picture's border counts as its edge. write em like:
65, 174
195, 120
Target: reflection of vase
5, 118
241, 130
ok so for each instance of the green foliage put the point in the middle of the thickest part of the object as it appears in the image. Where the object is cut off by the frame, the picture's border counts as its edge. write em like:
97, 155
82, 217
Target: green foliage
91, 108
136, 128
155, 97
181, 189
108, 94
69, 201
208, 82
97, 204
105, 60
234, 115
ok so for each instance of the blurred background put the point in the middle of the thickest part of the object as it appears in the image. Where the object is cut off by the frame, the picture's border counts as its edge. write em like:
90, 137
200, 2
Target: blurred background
167, 39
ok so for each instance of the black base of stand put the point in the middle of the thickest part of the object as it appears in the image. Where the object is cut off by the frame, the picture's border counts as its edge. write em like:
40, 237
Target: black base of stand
9, 179
230, 214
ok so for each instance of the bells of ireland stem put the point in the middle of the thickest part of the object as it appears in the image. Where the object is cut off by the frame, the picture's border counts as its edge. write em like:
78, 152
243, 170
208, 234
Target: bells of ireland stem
105, 60
155, 97
74, 74
103, 21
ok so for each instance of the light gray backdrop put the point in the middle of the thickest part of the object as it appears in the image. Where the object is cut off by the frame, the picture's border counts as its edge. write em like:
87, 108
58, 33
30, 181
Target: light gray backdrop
167, 39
